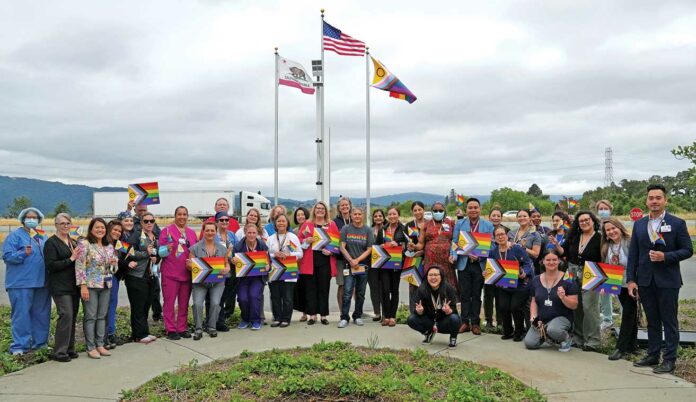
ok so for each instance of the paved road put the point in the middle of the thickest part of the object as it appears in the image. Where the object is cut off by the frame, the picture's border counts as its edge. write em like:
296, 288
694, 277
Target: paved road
688, 291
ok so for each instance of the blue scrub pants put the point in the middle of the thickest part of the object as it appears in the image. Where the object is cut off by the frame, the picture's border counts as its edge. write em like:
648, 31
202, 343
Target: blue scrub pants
113, 303
31, 318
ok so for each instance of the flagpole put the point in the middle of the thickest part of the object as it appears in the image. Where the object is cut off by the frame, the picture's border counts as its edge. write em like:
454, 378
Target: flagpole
275, 171
325, 140
321, 157
367, 134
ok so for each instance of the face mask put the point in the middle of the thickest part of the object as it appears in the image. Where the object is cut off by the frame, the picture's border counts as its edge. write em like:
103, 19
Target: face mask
31, 223
438, 216
604, 213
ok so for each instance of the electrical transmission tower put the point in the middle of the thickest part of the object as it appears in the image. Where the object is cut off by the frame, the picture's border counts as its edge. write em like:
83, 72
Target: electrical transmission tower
608, 166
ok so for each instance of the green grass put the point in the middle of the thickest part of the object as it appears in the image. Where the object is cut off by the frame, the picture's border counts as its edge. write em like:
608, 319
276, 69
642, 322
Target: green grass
335, 371
9, 363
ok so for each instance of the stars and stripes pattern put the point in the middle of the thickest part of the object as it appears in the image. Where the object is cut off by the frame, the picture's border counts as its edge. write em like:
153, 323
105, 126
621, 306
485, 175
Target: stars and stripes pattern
337, 41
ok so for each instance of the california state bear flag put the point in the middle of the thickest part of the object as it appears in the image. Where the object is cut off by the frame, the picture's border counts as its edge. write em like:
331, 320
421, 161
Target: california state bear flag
292, 74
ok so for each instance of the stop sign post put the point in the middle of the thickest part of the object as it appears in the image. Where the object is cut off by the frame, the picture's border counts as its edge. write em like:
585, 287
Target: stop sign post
636, 213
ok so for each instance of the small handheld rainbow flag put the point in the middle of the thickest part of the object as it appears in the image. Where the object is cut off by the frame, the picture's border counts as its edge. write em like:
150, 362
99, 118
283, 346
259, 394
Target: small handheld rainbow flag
39, 232
413, 231
386, 257
565, 227
483, 241
75, 232
411, 276
292, 247
207, 270
306, 231
415, 262
387, 237
144, 193
121, 246
572, 203
601, 277
502, 273
284, 270
251, 263
335, 241
460, 200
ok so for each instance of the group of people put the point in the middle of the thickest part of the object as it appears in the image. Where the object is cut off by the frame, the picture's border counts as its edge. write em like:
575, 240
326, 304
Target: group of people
547, 305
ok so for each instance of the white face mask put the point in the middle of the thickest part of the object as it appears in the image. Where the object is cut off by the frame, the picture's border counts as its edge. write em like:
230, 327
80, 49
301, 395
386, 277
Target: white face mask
604, 213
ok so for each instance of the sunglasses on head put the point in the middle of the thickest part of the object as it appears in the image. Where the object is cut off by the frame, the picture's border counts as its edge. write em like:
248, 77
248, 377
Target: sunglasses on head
148, 221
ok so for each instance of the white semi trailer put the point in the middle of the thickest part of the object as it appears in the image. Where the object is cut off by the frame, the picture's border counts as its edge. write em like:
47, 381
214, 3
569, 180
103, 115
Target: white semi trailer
200, 204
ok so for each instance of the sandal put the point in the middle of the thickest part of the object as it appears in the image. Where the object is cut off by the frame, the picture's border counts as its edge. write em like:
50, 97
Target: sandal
303, 318
385, 322
392, 322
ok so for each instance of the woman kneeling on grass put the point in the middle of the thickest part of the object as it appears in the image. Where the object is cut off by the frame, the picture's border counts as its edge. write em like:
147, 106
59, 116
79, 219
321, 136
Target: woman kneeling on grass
551, 307
436, 307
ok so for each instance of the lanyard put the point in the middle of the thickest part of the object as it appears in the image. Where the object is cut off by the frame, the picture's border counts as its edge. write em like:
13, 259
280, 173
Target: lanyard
474, 228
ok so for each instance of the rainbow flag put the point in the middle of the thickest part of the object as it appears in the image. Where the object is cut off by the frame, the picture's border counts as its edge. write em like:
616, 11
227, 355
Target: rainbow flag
306, 231
483, 241
386, 257
601, 277
284, 270
334, 245
251, 263
144, 193
75, 232
413, 231
386, 81
207, 270
122, 246
411, 276
415, 262
387, 237
502, 273
572, 203
460, 199
565, 227
42, 233
292, 247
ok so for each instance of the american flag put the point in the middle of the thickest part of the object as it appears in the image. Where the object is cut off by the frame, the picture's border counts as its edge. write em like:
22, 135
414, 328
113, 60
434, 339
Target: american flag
337, 41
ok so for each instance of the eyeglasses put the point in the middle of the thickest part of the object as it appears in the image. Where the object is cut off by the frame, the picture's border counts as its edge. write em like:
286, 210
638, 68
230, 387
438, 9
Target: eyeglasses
223, 220
148, 221
585, 220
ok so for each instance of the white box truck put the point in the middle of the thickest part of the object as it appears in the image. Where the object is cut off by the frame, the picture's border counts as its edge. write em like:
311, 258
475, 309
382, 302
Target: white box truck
200, 204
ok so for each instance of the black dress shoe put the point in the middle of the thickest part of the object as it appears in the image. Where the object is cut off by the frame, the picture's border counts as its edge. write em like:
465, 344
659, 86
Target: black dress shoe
647, 361
616, 355
507, 336
173, 336
61, 358
588, 348
518, 338
222, 328
185, 334
73, 355
275, 324
667, 367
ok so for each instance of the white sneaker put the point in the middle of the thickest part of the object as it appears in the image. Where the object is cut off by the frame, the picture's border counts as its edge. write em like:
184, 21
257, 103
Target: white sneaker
566, 345
342, 324
152, 338
605, 325
359, 322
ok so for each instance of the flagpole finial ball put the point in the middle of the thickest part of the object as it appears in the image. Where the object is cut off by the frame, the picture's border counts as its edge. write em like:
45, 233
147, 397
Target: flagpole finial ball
322, 11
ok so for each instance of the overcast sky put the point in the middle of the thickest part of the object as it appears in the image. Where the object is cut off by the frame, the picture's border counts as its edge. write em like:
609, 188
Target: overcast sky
509, 93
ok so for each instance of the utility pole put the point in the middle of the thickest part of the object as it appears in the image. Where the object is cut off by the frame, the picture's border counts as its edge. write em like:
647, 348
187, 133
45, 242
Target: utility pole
608, 166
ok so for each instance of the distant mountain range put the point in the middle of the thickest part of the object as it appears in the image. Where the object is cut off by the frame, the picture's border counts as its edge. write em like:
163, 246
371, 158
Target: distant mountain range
45, 195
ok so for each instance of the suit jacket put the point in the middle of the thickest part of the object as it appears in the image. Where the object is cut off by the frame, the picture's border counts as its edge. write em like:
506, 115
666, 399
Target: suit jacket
666, 274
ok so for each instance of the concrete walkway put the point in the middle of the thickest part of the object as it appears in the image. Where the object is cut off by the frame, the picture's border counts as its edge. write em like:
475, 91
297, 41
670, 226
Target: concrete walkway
573, 376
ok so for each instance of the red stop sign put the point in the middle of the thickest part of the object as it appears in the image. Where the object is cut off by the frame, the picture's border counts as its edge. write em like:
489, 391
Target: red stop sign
636, 213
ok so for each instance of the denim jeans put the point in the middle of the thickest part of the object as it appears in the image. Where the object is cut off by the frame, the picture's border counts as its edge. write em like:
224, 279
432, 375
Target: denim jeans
359, 283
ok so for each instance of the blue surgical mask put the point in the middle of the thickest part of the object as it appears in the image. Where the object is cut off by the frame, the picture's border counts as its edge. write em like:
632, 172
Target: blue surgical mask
31, 223
604, 213
438, 216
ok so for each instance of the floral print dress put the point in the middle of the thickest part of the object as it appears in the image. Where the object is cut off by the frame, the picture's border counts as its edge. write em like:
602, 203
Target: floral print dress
93, 264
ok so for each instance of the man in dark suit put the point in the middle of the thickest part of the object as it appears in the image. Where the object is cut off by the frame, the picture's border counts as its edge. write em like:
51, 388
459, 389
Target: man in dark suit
659, 241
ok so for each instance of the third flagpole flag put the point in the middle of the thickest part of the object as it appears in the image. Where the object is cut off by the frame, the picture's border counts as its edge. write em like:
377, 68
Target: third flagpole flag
338, 42
386, 81
292, 74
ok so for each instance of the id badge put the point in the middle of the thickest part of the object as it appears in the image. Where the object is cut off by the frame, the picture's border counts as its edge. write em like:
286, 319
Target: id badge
445, 227
182, 241
410, 253
346, 272
548, 303
666, 228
